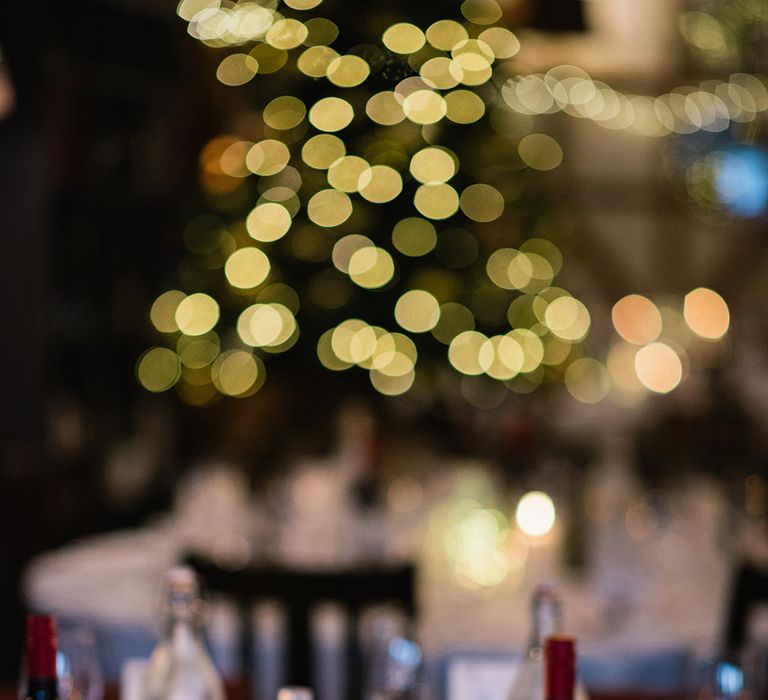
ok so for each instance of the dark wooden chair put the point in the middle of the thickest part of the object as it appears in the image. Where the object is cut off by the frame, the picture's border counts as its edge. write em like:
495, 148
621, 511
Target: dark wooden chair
748, 588
300, 592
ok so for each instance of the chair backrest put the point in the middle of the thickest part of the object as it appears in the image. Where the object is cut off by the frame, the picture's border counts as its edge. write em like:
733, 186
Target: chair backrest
300, 592
748, 589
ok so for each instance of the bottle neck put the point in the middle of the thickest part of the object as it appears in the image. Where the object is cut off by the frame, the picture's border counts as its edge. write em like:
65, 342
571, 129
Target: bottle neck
546, 621
183, 629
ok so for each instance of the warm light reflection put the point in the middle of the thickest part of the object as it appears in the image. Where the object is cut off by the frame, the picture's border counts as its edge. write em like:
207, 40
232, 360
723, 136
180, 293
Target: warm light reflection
237, 373
417, 311
268, 222
346, 247
535, 514
348, 71
344, 173
286, 34
404, 38
371, 267
587, 380
621, 367
316, 60
464, 107
267, 157
322, 151
482, 203
436, 201
706, 313
237, 69
384, 108
658, 367
433, 165
331, 114
636, 319
163, 311
158, 369
329, 208
247, 268
481, 11
445, 34
502, 42
454, 320
284, 112
464, 352
540, 152
567, 318
414, 236
482, 549
380, 184
197, 352
197, 314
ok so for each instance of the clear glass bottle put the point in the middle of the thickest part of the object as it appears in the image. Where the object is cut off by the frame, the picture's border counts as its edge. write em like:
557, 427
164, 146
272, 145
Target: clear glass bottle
546, 621
180, 667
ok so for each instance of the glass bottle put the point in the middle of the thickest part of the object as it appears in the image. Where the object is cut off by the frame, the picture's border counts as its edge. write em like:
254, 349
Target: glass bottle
546, 621
42, 683
180, 667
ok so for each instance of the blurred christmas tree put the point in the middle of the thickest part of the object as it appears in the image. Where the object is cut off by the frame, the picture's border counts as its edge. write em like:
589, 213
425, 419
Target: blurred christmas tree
375, 203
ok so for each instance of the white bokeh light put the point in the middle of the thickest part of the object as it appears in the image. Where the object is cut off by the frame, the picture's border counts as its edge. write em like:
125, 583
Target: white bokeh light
535, 514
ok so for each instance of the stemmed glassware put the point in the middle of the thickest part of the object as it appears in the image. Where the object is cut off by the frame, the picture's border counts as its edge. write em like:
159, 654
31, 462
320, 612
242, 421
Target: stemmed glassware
78, 669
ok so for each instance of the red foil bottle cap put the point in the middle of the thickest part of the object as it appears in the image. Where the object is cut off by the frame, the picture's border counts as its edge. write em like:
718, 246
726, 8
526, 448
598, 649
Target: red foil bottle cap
41, 646
560, 661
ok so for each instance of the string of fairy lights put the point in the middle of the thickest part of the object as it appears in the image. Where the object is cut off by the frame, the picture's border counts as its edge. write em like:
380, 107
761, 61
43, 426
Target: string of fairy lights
405, 135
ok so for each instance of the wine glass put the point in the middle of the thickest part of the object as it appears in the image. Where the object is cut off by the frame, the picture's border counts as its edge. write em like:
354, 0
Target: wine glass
396, 670
77, 665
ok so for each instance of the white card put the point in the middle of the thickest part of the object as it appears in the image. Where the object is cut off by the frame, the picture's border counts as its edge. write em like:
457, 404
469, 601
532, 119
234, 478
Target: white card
478, 678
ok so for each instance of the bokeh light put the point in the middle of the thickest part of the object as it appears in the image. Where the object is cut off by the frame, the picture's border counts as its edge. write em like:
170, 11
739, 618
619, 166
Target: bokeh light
371, 267
658, 367
247, 268
158, 369
482, 203
163, 311
636, 319
268, 222
540, 152
197, 314
329, 208
284, 112
433, 165
311, 202
331, 114
535, 514
322, 151
417, 311
238, 373
414, 236
404, 38
567, 318
587, 380
706, 313
438, 201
